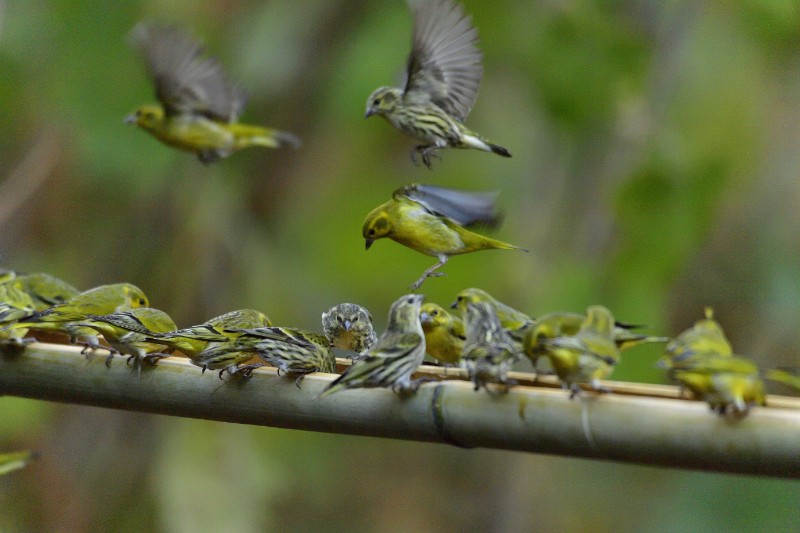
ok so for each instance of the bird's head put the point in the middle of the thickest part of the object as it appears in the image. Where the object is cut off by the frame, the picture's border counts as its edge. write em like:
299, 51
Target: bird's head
468, 296
432, 316
377, 226
147, 117
404, 313
349, 327
134, 296
383, 101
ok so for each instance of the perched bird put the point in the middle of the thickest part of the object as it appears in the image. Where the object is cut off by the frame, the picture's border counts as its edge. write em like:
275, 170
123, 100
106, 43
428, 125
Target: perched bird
15, 304
558, 324
200, 106
489, 350
444, 334
127, 332
293, 351
516, 323
730, 384
66, 317
587, 356
393, 359
45, 290
215, 336
704, 337
442, 79
349, 327
433, 220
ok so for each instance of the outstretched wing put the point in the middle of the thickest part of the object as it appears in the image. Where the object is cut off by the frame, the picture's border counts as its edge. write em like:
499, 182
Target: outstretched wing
445, 64
185, 82
464, 208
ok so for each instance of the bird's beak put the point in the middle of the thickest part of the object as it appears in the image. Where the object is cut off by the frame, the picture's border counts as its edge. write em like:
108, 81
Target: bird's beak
368, 243
454, 305
369, 113
347, 325
130, 119
424, 317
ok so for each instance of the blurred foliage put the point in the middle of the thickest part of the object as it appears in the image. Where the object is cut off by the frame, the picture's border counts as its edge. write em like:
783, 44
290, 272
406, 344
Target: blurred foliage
654, 171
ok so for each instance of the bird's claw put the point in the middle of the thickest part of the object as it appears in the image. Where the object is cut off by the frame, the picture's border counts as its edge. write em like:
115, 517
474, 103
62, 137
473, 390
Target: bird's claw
427, 152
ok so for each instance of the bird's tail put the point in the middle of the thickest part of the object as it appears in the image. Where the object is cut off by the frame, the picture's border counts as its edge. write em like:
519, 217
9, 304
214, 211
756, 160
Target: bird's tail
499, 150
257, 136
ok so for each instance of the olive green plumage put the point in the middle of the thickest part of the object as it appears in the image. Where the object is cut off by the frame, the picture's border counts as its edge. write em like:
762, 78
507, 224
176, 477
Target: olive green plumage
433, 221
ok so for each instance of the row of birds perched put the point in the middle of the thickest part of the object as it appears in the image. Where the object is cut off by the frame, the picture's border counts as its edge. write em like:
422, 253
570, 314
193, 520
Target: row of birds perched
488, 339
199, 107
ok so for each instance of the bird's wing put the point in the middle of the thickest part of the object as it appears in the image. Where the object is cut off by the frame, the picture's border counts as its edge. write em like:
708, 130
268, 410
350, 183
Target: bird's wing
185, 82
124, 320
463, 208
445, 64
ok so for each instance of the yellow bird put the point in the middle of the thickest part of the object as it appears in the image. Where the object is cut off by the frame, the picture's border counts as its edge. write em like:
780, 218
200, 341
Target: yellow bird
704, 337
15, 304
200, 106
730, 384
587, 356
516, 323
45, 290
558, 324
127, 332
67, 316
444, 334
432, 221
217, 335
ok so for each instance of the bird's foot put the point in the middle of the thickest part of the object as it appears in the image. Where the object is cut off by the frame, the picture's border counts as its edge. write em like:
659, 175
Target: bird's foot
427, 152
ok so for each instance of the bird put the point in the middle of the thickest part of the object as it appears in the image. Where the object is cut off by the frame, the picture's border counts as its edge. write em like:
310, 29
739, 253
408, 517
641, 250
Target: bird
394, 357
516, 323
293, 351
587, 356
15, 304
67, 316
706, 336
559, 323
444, 334
489, 351
44, 289
443, 75
127, 332
216, 336
199, 106
730, 384
349, 327
433, 221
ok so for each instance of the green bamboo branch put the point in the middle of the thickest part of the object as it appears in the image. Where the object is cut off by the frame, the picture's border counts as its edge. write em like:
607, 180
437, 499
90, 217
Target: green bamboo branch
631, 427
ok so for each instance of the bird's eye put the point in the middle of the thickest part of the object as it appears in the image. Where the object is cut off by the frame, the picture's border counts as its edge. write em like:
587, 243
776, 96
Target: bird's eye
376, 102
371, 231
141, 301
434, 313
355, 319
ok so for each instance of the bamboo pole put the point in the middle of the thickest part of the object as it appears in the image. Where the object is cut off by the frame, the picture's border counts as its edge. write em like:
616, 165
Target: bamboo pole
636, 427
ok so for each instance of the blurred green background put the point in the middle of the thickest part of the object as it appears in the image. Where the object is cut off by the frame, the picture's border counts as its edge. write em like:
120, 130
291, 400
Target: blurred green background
656, 147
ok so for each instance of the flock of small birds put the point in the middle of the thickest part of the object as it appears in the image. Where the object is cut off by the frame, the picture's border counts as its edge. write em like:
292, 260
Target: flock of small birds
487, 339
198, 112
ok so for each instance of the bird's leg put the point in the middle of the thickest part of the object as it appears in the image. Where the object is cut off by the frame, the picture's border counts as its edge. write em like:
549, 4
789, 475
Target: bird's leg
427, 150
153, 358
430, 273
